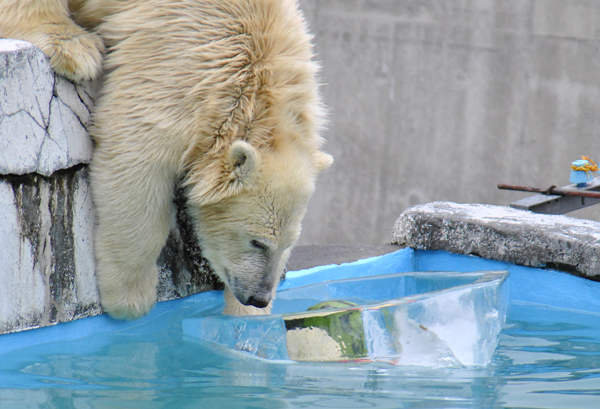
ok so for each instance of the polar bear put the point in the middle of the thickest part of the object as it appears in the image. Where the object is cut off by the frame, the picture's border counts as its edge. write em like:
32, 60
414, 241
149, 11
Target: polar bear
218, 93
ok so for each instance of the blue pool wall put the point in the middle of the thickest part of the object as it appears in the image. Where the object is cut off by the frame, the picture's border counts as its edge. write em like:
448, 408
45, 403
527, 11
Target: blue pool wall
527, 285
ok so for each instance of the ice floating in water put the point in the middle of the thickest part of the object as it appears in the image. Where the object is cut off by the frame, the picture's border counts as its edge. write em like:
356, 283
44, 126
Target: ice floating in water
441, 319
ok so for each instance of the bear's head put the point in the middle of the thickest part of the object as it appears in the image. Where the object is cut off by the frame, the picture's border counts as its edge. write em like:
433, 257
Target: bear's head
248, 206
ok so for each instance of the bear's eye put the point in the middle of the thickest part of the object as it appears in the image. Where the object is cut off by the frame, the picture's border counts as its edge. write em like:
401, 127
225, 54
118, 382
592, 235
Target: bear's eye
259, 246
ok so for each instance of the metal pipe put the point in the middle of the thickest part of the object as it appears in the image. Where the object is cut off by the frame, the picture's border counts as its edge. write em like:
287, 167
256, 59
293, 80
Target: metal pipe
552, 190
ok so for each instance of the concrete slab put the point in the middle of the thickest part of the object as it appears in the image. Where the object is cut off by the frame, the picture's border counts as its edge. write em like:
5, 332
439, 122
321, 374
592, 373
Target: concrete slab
505, 234
42, 117
47, 217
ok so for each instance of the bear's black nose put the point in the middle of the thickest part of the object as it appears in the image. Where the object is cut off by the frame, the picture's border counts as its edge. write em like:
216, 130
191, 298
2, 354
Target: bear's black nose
257, 302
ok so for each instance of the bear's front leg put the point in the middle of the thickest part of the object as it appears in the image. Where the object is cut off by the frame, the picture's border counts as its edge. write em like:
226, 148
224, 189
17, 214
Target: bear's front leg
73, 52
126, 291
133, 197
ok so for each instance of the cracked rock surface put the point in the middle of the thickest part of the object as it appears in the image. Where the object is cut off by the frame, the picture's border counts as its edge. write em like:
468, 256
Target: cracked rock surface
43, 118
505, 234
47, 272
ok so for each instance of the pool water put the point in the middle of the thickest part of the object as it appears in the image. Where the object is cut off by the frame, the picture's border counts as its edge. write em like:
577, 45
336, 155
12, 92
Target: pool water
548, 356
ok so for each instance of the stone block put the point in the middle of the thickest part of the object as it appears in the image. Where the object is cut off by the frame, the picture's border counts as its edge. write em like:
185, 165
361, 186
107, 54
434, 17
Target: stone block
47, 272
43, 118
505, 234
46, 253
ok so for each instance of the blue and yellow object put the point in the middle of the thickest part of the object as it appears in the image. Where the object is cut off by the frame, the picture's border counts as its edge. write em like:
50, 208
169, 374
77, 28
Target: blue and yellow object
581, 171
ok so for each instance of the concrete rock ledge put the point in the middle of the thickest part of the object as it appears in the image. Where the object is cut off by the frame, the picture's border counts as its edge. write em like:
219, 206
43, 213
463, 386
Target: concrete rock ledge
504, 234
43, 118
46, 210
46, 259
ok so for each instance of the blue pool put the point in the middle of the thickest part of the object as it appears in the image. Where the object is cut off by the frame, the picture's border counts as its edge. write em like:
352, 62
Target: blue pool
548, 356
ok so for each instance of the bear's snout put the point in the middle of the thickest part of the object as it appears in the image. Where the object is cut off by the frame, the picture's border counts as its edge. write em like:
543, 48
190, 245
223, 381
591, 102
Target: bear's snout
258, 302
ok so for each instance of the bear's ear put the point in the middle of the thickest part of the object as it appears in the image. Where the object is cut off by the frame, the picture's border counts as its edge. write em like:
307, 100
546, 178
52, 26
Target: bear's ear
322, 160
243, 162
232, 174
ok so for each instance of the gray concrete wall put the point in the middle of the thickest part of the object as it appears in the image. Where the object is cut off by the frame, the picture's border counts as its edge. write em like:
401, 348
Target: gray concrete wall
442, 100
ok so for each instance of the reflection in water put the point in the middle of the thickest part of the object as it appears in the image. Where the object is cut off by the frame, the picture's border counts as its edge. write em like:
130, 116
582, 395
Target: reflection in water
151, 366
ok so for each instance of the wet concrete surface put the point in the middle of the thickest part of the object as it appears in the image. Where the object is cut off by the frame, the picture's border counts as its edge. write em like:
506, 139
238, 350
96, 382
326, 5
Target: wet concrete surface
304, 257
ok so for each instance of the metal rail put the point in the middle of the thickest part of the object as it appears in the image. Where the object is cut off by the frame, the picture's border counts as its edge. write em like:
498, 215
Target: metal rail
552, 190
553, 200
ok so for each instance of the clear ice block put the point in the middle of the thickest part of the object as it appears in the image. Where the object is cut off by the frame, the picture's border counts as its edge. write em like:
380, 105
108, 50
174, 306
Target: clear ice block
437, 319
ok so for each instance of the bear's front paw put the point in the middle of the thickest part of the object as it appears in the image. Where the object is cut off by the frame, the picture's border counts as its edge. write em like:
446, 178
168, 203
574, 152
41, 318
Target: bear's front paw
127, 296
127, 304
73, 52
128, 309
